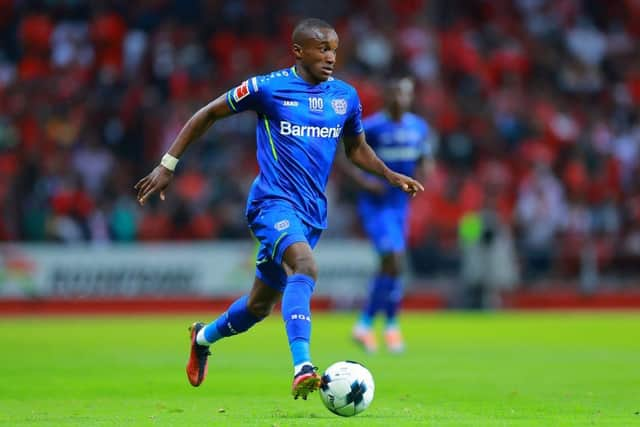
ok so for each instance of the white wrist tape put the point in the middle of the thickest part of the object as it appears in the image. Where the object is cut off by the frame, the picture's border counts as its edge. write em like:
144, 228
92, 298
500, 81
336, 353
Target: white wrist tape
169, 162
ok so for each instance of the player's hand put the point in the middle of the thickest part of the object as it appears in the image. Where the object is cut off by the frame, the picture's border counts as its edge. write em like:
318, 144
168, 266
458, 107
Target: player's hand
407, 184
156, 181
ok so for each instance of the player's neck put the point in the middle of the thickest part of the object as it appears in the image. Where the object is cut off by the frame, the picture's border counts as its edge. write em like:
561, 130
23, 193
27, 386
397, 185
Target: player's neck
305, 75
395, 114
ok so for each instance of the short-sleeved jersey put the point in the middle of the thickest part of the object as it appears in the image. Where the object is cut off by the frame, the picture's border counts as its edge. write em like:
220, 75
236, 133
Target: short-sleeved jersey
297, 134
400, 144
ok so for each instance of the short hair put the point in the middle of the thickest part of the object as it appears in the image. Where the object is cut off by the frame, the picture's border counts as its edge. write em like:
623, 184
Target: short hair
305, 27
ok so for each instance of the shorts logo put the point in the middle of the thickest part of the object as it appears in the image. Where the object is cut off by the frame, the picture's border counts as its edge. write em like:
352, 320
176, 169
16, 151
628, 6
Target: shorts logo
241, 91
339, 106
281, 225
300, 316
289, 103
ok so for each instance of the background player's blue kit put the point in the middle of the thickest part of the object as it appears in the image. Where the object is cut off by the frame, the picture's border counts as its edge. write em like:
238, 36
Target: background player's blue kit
400, 145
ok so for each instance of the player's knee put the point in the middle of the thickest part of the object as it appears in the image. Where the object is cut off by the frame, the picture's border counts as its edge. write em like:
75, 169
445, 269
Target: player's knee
389, 271
392, 265
305, 265
298, 259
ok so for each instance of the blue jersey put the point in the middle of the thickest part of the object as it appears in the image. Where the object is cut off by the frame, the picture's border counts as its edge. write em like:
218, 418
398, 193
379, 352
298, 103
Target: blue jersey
298, 131
400, 145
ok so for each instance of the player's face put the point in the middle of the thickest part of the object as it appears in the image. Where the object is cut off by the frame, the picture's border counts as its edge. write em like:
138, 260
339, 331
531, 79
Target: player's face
400, 94
318, 54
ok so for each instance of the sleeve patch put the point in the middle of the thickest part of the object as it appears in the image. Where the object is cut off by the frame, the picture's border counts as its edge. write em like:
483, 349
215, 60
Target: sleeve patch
241, 91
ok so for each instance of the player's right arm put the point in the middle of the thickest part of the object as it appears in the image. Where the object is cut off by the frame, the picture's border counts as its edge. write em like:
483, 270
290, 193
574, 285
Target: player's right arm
196, 126
249, 95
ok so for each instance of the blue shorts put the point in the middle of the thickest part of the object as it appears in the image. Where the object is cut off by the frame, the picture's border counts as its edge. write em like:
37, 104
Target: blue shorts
385, 226
276, 226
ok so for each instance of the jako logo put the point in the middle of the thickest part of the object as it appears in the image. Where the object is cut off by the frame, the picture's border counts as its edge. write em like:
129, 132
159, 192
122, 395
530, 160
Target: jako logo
300, 317
287, 128
290, 103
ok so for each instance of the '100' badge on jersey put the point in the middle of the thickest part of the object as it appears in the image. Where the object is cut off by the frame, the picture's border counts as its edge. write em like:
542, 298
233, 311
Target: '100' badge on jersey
241, 91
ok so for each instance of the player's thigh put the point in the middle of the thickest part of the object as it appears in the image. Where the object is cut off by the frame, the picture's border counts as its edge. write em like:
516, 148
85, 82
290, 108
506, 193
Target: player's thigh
392, 262
370, 218
385, 231
276, 226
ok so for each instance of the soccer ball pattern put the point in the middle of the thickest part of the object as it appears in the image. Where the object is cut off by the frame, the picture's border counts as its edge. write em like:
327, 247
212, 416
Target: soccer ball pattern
347, 388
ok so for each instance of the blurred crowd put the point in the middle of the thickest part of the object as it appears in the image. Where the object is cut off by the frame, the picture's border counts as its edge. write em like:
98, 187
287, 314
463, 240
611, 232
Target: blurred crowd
533, 106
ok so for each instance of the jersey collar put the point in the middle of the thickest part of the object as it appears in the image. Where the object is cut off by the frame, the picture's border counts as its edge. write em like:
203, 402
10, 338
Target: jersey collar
295, 73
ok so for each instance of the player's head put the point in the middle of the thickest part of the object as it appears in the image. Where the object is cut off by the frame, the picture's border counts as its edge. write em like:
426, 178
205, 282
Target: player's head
314, 45
399, 94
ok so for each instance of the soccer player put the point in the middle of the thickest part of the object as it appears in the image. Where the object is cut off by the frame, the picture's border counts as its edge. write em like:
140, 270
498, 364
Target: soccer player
302, 114
400, 139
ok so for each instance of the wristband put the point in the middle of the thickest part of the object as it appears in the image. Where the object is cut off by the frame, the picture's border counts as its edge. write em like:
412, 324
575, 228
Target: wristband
169, 162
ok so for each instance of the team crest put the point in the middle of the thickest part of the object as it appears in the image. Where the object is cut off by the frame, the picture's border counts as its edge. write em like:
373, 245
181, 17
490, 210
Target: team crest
241, 91
339, 106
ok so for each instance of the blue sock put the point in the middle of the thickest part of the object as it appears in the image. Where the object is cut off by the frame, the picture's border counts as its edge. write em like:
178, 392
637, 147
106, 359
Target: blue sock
300, 351
296, 313
235, 320
375, 300
393, 300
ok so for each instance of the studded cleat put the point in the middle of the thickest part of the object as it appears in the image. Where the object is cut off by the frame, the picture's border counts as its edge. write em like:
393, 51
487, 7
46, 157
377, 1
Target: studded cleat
197, 364
305, 381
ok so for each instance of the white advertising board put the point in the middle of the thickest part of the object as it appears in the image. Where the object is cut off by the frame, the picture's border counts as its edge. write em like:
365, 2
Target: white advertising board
165, 270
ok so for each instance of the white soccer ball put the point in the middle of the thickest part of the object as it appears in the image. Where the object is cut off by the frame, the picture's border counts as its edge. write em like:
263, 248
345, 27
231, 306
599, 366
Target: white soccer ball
347, 388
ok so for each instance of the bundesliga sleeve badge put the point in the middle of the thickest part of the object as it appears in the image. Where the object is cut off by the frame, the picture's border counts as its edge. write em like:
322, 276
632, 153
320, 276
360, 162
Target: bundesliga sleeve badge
241, 91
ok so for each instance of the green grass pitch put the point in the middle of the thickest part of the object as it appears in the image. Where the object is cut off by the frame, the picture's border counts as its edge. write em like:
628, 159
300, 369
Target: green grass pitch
460, 369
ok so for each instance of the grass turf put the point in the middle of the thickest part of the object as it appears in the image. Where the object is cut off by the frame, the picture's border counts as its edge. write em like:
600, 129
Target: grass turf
461, 369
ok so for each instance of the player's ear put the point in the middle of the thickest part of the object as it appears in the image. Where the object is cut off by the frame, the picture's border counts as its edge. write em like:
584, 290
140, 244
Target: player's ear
297, 51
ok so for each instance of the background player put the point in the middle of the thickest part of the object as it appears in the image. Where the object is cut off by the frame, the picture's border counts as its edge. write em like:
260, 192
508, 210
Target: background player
399, 138
302, 115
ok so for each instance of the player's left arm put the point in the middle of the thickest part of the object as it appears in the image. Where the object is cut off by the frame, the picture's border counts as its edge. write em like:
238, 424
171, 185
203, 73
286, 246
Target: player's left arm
363, 156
